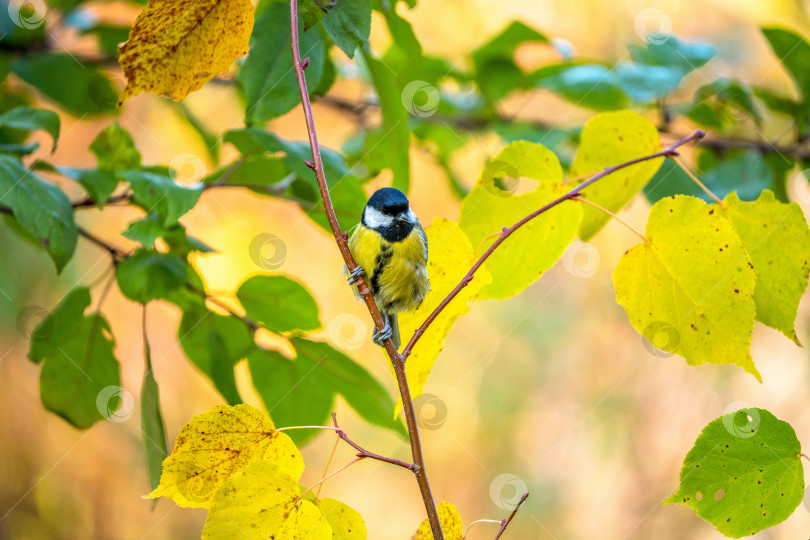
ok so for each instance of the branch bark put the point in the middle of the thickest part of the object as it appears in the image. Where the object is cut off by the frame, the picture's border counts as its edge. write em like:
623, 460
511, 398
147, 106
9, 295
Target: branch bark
507, 231
505, 523
397, 360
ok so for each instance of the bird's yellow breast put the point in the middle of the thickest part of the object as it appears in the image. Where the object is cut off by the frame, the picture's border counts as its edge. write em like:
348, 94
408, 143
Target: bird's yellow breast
395, 271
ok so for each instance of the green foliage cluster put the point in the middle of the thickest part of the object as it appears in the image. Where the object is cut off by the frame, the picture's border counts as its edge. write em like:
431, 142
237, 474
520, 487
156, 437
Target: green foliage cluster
689, 248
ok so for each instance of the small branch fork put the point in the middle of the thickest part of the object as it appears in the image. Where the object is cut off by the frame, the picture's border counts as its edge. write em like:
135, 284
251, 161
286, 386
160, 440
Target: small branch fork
363, 453
575, 193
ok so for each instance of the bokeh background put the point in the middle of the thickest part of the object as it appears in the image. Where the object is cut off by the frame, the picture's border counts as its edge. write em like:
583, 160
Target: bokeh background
551, 391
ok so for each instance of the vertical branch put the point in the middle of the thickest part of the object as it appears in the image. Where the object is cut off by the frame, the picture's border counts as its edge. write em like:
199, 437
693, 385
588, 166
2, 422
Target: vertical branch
397, 360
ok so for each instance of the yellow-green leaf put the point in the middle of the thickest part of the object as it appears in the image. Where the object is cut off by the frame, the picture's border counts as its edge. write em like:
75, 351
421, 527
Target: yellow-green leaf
689, 289
346, 522
493, 205
215, 445
176, 47
449, 520
260, 502
451, 256
609, 139
776, 237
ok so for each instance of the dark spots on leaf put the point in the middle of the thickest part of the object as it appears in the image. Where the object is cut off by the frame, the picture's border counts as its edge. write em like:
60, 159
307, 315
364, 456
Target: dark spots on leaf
737, 291
759, 481
711, 211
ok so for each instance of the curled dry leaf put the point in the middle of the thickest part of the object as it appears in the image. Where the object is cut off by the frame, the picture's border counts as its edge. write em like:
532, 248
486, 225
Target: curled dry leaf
176, 46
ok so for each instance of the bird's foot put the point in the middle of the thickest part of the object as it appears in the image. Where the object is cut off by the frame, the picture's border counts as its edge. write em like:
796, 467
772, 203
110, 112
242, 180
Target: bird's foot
356, 274
380, 336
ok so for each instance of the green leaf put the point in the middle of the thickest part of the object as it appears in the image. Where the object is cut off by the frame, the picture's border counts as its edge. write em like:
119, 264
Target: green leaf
295, 392
115, 150
158, 193
79, 88
673, 53
108, 37
279, 303
777, 239
154, 434
43, 209
647, 84
98, 183
691, 284
670, 180
267, 75
794, 54
743, 474
215, 343
362, 391
393, 145
744, 172
29, 119
493, 205
148, 275
402, 34
609, 139
593, 86
312, 11
149, 228
79, 378
722, 103
349, 24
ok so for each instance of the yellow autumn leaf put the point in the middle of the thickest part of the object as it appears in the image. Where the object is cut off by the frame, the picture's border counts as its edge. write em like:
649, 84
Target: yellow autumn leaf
451, 256
176, 46
449, 520
346, 522
215, 445
260, 501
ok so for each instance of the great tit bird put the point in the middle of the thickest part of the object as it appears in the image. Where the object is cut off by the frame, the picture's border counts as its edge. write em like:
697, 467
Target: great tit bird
391, 251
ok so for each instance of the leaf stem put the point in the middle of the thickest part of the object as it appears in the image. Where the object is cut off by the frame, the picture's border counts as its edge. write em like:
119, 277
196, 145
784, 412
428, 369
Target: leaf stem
695, 179
611, 214
476, 522
328, 464
671, 150
325, 478
397, 360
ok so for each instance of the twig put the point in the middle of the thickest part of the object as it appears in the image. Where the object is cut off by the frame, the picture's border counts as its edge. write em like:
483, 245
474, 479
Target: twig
611, 214
116, 254
325, 478
397, 360
505, 523
507, 232
363, 453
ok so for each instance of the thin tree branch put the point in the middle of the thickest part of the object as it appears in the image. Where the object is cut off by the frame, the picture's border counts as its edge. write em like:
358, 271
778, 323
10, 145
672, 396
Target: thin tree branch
505, 523
397, 361
507, 231
363, 453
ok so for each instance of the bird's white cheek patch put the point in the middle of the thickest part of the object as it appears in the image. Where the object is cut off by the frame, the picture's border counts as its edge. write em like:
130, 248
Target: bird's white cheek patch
411, 216
374, 219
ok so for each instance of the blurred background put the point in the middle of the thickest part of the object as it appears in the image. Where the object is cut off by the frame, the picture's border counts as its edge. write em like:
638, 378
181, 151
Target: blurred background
550, 392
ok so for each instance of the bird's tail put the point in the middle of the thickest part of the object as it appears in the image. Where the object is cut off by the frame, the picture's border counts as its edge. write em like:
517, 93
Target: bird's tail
394, 322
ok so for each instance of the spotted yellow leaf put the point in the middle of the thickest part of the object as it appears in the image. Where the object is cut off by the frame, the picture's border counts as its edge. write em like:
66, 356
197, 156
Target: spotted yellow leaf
689, 289
609, 139
449, 520
451, 256
215, 445
346, 522
176, 46
261, 501
776, 237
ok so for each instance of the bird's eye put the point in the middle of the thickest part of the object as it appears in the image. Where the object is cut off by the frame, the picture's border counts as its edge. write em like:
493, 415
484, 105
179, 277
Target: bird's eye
385, 212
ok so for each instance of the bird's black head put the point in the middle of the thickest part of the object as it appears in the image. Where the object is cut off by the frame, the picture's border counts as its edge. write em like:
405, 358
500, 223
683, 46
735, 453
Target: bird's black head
388, 213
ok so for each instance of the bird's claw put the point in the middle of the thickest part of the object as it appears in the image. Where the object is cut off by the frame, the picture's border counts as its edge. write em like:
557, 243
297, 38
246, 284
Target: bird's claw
356, 274
380, 336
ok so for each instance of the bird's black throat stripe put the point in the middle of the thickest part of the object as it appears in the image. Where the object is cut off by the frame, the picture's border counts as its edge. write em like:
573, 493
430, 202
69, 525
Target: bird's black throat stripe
385, 254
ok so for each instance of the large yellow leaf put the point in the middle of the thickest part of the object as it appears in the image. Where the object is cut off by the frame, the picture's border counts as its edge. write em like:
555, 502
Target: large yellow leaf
176, 46
777, 239
493, 204
689, 289
346, 522
609, 139
260, 502
449, 520
451, 257
217, 444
